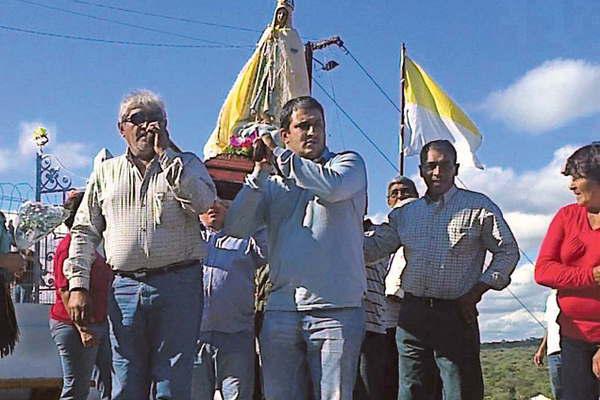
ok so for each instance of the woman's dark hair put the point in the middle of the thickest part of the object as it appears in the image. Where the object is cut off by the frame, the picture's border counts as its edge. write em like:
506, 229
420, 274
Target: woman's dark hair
72, 204
302, 102
584, 163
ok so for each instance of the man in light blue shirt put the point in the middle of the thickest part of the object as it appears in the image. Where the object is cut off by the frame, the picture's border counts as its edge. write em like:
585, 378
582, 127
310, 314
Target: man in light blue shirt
313, 211
226, 358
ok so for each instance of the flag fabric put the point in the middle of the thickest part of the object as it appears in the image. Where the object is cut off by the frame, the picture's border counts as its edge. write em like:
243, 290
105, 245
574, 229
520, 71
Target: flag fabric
430, 114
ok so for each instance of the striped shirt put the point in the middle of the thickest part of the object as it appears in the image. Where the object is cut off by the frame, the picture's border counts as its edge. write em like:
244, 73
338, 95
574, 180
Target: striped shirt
374, 303
445, 244
147, 221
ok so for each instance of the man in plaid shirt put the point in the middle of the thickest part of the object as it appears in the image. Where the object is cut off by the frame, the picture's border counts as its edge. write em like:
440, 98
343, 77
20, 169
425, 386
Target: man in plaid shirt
445, 235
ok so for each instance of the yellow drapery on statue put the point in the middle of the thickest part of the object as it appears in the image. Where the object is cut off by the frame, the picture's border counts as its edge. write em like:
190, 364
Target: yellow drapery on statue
274, 74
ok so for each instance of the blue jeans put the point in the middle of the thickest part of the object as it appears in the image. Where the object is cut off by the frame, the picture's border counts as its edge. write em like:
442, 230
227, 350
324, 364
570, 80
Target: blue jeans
78, 361
153, 330
326, 342
429, 336
554, 368
577, 380
22, 293
226, 362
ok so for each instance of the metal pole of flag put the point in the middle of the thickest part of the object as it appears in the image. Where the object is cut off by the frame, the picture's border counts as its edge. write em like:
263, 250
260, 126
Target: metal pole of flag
402, 82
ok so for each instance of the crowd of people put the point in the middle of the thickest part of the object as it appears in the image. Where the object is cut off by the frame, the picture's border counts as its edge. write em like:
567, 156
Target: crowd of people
188, 288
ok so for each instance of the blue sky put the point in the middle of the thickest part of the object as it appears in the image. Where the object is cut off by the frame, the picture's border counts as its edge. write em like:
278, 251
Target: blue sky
527, 72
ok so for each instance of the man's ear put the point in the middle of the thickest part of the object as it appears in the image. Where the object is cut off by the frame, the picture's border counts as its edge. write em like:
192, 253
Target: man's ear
421, 172
285, 133
120, 128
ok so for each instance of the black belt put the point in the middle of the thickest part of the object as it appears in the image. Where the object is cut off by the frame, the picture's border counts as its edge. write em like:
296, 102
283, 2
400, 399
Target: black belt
147, 272
430, 302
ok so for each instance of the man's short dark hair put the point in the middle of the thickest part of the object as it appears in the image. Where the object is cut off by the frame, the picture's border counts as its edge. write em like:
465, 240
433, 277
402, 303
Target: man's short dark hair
584, 163
302, 102
439, 145
72, 204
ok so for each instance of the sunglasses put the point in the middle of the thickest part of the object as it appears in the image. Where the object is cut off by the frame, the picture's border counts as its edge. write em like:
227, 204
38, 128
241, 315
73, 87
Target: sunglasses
140, 117
400, 192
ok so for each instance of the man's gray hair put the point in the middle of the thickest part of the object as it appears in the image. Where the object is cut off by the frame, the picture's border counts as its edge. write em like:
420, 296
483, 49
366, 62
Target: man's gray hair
404, 180
141, 97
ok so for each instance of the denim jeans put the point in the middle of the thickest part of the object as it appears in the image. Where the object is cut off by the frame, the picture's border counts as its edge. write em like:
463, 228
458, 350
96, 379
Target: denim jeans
316, 346
371, 379
437, 335
576, 377
22, 293
78, 361
554, 368
225, 361
153, 330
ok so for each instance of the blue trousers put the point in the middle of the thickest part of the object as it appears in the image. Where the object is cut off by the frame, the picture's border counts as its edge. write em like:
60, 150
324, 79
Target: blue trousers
437, 334
79, 362
226, 362
311, 351
153, 330
578, 382
554, 370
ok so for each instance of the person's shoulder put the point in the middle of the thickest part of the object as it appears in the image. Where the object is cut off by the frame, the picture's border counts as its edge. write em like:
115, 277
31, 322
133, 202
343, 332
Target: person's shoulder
571, 210
112, 162
347, 155
476, 198
105, 168
188, 156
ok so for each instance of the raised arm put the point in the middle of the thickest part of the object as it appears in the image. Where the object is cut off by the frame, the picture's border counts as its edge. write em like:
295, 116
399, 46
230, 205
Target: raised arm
339, 180
247, 213
550, 270
189, 180
383, 240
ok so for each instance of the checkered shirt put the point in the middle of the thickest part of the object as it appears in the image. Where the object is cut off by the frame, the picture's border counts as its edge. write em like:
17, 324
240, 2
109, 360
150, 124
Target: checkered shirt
445, 244
147, 221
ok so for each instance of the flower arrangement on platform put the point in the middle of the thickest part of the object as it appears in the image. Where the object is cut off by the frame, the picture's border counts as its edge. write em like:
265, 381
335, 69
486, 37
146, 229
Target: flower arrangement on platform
242, 145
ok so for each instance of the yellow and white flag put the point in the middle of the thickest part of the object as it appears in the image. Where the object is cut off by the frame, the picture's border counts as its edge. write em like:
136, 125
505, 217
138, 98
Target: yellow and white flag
430, 114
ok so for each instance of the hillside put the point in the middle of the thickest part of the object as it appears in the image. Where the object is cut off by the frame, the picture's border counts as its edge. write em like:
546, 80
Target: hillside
509, 372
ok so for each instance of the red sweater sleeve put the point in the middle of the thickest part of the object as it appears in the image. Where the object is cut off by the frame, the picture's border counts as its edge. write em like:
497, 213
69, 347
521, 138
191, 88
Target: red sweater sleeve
62, 253
549, 269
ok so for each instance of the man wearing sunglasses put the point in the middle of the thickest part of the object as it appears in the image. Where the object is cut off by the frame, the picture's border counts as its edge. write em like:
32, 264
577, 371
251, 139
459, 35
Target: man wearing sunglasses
145, 204
446, 235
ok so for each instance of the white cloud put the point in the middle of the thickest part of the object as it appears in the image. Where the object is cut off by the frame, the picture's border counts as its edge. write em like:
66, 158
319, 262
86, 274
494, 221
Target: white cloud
528, 228
548, 96
378, 218
72, 155
501, 315
540, 191
5, 156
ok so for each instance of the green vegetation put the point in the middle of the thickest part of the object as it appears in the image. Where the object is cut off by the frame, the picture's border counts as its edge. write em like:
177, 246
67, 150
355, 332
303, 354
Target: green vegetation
509, 372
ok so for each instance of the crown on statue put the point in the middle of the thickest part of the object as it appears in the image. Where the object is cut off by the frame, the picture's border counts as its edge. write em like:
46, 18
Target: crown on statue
285, 3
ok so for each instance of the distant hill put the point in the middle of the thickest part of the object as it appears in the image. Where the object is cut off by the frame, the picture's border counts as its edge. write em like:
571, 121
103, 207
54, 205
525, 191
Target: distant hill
509, 372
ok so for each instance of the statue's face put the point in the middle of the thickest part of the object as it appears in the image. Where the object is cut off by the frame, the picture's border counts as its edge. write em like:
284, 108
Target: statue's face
281, 17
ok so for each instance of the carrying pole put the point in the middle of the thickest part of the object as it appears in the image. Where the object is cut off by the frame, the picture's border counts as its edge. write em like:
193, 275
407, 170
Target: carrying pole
402, 83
